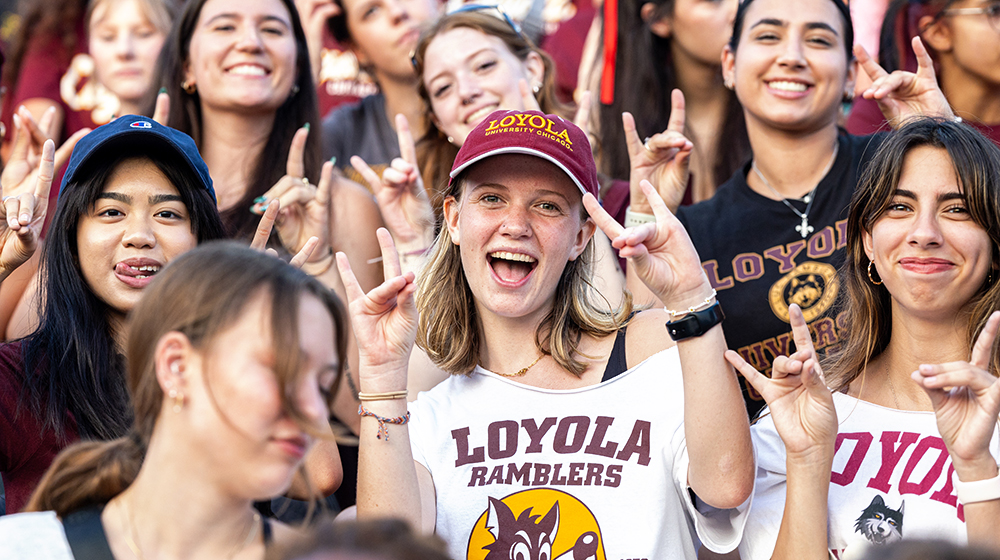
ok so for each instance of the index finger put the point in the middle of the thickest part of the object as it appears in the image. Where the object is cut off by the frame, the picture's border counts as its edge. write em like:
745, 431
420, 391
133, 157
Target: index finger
351, 285
868, 64
677, 111
367, 173
983, 348
162, 110
608, 225
407, 148
297, 152
800, 330
264, 227
45, 171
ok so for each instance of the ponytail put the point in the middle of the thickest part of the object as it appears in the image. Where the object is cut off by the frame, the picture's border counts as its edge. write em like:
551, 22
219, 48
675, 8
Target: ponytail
88, 473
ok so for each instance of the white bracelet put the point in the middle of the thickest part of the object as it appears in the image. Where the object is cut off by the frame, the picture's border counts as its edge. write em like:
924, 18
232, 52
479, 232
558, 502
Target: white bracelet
977, 490
635, 219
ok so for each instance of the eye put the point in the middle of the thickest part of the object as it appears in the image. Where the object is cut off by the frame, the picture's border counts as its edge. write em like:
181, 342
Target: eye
766, 37
441, 90
549, 207
371, 11
222, 27
520, 552
111, 213
878, 516
821, 41
490, 199
273, 30
169, 214
486, 66
545, 551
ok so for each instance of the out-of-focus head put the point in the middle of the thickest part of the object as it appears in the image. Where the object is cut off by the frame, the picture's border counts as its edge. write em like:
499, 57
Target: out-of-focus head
790, 62
135, 196
470, 62
698, 29
124, 39
233, 357
383, 33
963, 37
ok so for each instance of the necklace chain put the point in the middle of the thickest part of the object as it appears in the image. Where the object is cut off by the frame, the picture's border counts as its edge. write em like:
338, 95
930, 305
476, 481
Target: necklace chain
519, 372
130, 536
804, 228
892, 389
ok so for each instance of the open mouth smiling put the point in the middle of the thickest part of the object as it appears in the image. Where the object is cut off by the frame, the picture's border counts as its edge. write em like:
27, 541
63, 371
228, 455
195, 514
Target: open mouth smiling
511, 268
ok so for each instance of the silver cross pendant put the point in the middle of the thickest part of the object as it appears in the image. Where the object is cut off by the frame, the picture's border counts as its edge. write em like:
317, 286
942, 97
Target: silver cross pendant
804, 228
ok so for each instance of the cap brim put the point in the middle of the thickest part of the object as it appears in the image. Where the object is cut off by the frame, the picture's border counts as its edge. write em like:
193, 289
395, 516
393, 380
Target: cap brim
518, 150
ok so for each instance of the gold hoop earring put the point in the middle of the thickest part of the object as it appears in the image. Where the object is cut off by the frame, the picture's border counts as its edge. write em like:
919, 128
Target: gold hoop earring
189, 87
872, 278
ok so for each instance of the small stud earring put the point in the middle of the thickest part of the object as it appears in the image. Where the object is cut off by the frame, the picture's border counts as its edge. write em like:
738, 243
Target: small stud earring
451, 140
189, 87
536, 88
178, 399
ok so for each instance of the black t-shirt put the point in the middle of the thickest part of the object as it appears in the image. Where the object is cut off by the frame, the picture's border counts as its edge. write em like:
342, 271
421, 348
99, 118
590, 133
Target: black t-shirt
759, 263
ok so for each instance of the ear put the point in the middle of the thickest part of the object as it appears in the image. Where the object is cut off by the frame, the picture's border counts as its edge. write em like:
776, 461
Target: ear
188, 74
936, 33
866, 241
534, 68
852, 76
450, 208
587, 229
662, 27
173, 362
728, 65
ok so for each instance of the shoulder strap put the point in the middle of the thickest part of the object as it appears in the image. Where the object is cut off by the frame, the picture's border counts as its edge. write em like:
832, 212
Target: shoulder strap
86, 536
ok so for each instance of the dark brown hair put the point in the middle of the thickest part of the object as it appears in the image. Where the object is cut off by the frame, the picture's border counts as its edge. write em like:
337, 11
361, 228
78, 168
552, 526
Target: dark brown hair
201, 294
867, 307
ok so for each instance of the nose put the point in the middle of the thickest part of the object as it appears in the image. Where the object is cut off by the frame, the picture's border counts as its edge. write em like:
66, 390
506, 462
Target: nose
516, 223
925, 231
468, 88
792, 56
125, 46
398, 12
138, 233
311, 402
250, 39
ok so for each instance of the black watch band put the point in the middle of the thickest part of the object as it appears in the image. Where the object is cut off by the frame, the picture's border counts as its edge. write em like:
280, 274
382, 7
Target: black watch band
695, 323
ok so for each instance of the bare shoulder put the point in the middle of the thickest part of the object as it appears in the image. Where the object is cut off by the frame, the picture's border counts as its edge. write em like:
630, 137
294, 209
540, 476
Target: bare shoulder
647, 335
348, 198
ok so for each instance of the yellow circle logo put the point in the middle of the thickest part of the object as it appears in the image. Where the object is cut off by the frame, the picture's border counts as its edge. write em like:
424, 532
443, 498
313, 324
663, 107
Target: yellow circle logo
536, 523
812, 286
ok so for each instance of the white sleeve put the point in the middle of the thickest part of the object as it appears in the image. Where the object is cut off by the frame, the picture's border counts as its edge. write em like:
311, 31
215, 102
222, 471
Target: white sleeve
761, 533
719, 530
28, 536
420, 421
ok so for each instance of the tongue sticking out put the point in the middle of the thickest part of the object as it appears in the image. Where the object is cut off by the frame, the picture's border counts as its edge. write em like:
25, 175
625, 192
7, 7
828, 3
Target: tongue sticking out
511, 271
126, 270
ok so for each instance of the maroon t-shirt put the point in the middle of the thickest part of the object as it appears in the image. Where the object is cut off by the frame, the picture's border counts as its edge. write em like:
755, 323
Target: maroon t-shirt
26, 448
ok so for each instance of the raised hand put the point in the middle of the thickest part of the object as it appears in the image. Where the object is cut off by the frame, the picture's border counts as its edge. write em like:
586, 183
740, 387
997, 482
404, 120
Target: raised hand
161, 111
663, 159
304, 209
664, 257
314, 14
966, 400
24, 212
799, 401
20, 175
400, 192
263, 233
384, 320
904, 94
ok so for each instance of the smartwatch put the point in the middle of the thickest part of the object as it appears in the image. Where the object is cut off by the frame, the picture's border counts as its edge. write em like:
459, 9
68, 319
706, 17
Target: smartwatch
695, 323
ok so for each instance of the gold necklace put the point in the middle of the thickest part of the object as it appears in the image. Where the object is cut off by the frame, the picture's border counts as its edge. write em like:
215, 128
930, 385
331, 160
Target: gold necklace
519, 372
130, 536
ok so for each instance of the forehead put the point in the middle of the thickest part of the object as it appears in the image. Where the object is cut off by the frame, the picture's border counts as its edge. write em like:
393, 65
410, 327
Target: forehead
119, 10
139, 175
798, 12
244, 8
928, 169
522, 174
455, 44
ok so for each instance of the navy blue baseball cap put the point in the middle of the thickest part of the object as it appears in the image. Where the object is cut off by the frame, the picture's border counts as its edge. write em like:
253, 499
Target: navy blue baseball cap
133, 130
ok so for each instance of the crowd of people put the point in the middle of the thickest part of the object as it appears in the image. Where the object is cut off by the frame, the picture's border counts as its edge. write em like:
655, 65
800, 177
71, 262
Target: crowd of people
469, 317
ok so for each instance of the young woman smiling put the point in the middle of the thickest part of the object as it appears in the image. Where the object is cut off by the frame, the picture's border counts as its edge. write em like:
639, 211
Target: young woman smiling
915, 395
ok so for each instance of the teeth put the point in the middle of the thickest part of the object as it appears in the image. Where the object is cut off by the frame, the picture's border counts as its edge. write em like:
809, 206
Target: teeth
148, 268
787, 86
247, 70
481, 114
512, 257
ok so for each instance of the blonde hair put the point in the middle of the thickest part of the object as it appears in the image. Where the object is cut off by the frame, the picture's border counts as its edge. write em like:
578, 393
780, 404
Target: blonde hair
200, 295
867, 306
449, 328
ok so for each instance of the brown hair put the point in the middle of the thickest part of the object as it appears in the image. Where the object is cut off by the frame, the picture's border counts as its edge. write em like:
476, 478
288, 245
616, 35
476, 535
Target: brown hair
867, 307
201, 294
434, 151
449, 329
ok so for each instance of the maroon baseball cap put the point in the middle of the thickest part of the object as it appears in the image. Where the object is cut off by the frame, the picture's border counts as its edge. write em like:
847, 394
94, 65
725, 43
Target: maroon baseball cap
532, 133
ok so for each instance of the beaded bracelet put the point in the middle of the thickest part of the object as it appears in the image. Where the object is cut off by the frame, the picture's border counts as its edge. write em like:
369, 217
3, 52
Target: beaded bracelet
382, 421
700, 307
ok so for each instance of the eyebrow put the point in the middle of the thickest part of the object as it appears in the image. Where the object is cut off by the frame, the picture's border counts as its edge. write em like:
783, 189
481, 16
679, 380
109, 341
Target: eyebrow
953, 195
155, 199
810, 26
230, 15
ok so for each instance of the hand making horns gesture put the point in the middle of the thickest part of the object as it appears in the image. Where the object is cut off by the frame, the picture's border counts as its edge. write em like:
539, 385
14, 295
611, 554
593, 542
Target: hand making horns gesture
664, 257
663, 159
903, 94
799, 401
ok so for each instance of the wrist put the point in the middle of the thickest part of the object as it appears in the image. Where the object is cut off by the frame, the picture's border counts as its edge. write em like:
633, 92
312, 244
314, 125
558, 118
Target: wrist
978, 469
699, 297
321, 264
